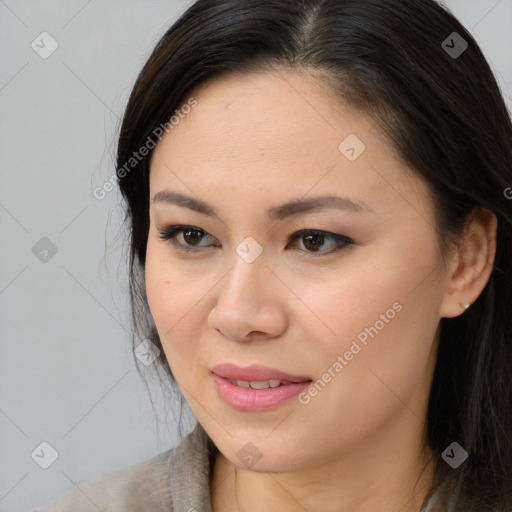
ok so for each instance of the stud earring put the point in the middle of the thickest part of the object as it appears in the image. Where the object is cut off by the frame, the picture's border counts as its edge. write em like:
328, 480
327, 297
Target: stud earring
465, 306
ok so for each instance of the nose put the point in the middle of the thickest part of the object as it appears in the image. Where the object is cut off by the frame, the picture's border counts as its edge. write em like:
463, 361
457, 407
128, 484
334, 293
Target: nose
250, 303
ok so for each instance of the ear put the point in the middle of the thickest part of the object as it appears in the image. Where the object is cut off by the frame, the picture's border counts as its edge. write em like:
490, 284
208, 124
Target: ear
471, 263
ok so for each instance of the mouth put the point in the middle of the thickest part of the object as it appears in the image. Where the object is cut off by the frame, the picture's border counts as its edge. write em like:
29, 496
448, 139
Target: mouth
258, 384
256, 388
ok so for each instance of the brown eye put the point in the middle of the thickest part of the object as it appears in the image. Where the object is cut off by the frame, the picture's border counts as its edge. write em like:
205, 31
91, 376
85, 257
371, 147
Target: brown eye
191, 236
314, 240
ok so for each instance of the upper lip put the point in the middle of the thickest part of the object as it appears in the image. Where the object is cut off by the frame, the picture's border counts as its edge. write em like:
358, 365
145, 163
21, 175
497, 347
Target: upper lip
254, 373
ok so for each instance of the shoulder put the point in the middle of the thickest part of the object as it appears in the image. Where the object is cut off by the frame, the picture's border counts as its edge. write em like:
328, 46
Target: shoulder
143, 486
168, 482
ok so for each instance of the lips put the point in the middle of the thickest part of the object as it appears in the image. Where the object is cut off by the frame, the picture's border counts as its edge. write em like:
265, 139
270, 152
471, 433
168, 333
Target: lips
256, 373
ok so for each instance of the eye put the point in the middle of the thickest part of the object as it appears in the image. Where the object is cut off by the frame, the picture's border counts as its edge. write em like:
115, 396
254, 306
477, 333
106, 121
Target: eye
312, 239
190, 234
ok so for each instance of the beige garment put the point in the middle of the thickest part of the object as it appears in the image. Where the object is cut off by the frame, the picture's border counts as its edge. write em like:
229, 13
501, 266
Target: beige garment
174, 481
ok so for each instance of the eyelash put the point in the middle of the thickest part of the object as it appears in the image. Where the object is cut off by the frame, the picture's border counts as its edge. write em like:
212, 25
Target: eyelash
170, 233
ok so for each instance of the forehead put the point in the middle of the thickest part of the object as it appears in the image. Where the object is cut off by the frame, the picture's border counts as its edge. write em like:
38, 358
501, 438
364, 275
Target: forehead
282, 116
280, 135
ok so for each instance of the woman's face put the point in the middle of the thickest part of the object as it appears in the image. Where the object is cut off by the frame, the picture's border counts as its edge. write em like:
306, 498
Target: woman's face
358, 319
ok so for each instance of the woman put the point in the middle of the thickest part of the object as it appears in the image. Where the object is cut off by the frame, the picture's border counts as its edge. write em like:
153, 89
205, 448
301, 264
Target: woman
319, 201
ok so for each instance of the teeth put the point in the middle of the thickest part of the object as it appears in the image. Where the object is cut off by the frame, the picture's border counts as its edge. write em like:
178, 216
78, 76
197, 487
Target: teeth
260, 384
257, 384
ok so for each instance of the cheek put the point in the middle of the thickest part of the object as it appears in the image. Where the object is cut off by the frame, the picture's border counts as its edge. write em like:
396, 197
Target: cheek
168, 287
158, 289
347, 304
387, 303
381, 355
169, 295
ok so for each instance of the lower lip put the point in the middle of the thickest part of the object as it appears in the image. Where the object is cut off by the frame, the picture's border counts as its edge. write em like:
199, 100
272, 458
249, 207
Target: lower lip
255, 400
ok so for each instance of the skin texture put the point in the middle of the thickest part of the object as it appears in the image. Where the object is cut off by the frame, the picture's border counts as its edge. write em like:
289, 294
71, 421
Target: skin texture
359, 444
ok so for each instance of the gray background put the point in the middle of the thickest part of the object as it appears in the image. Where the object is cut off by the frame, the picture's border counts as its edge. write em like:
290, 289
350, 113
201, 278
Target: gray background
67, 374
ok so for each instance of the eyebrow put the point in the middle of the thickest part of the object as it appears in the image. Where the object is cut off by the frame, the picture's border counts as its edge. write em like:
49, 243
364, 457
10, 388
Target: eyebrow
289, 209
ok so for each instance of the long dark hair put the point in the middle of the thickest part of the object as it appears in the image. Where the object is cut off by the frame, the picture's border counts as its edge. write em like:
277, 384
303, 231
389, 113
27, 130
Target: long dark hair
439, 103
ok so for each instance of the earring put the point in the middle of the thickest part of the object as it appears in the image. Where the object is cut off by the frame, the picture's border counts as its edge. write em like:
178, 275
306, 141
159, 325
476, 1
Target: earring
465, 306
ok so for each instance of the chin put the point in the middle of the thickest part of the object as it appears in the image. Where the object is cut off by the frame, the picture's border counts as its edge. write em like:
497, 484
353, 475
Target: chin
262, 457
